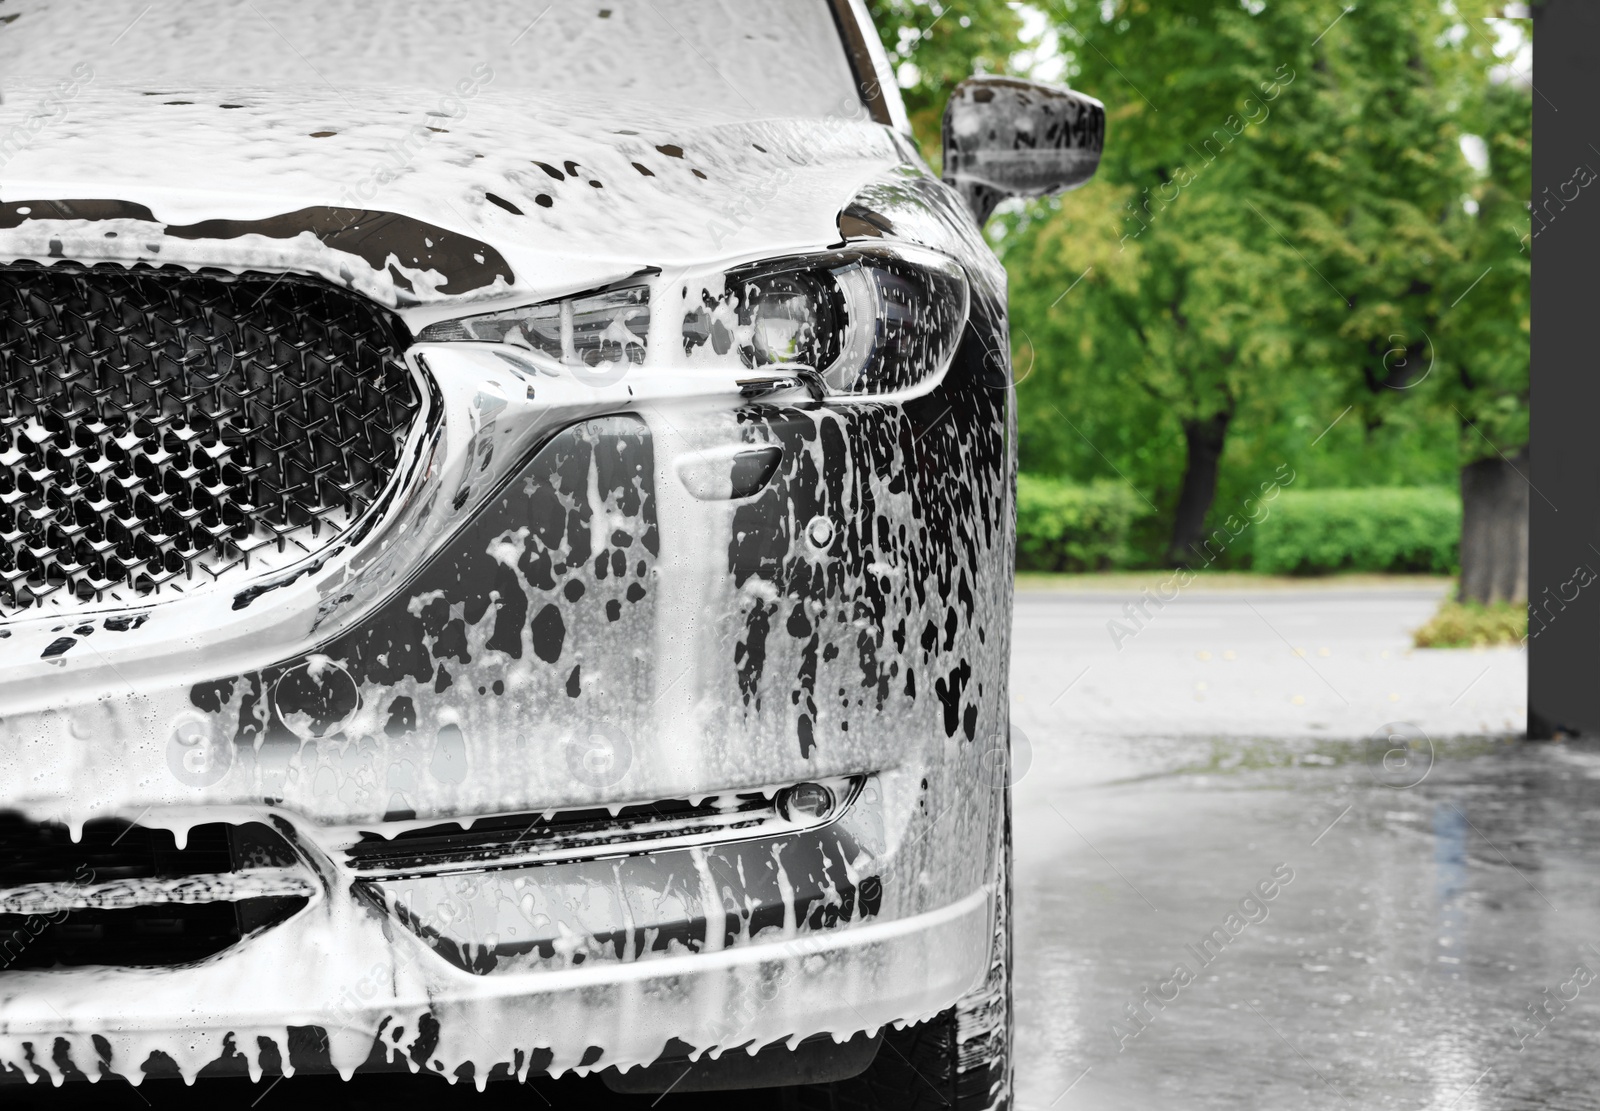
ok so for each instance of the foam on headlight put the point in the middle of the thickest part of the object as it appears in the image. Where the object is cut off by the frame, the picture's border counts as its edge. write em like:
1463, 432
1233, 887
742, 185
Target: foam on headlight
853, 322
590, 330
866, 322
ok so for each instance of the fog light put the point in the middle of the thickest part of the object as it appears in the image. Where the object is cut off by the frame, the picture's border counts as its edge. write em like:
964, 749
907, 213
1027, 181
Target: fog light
806, 802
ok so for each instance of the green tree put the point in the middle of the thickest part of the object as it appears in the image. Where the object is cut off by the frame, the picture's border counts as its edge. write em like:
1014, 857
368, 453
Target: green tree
935, 45
1428, 253
1179, 302
1489, 333
1290, 184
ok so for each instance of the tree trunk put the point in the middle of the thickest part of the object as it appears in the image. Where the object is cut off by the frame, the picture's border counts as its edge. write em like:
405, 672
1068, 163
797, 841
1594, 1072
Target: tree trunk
1494, 530
1204, 439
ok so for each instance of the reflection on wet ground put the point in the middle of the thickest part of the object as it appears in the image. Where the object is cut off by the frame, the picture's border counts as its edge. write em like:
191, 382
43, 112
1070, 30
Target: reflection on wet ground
1438, 944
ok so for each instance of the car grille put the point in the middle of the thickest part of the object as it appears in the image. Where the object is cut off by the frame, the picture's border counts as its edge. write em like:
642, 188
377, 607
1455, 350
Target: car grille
128, 895
161, 429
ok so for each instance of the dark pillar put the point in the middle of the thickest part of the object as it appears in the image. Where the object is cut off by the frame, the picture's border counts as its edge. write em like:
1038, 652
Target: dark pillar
1564, 556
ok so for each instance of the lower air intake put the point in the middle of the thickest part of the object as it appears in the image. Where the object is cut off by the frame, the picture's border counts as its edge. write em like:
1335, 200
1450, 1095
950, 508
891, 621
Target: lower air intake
127, 895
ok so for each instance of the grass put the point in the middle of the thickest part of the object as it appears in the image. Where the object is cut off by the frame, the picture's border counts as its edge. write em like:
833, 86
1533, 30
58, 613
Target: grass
1470, 625
1132, 582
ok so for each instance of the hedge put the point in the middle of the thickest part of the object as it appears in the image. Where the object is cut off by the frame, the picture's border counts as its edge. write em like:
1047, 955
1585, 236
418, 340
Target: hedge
1471, 625
1062, 526
1415, 528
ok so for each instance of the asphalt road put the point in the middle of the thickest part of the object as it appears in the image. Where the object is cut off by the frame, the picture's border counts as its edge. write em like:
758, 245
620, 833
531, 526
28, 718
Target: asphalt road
1097, 697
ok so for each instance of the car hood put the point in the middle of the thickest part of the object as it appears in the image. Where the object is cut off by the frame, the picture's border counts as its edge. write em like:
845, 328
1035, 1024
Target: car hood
413, 200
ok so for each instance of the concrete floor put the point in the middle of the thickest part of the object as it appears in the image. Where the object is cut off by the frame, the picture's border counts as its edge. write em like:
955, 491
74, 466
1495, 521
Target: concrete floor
1282, 670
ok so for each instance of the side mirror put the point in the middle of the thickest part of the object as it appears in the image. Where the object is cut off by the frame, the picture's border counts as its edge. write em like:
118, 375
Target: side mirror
1004, 137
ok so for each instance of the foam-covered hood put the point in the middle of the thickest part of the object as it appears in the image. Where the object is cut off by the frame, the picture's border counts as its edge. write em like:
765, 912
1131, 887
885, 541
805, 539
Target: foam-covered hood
412, 199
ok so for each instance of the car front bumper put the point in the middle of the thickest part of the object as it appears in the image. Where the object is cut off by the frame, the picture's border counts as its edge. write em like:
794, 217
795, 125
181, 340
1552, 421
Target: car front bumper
339, 987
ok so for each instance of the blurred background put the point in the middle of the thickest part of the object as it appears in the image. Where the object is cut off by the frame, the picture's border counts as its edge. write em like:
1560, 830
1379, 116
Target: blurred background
1285, 330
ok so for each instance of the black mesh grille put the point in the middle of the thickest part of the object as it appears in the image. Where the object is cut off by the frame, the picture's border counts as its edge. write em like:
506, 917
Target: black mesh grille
158, 427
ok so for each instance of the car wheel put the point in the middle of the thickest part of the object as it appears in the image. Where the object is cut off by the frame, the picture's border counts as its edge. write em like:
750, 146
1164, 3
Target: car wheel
960, 1060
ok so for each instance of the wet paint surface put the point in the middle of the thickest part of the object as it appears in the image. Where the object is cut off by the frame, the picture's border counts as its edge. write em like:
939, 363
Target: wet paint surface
787, 63
385, 242
861, 569
552, 579
542, 183
309, 732
638, 907
1004, 137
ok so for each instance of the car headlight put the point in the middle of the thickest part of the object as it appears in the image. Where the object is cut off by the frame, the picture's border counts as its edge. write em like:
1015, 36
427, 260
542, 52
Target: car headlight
844, 322
861, 322
591, 330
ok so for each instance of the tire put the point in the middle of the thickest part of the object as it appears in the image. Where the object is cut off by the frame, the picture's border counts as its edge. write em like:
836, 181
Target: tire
960, 1060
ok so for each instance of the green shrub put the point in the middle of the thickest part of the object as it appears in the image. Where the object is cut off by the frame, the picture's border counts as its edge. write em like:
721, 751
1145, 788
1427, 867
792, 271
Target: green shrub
1472, 626
1307, 532
1062, 526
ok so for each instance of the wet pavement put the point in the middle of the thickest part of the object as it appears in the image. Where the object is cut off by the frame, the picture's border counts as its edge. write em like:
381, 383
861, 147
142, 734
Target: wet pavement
1429, 879
1396, 968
